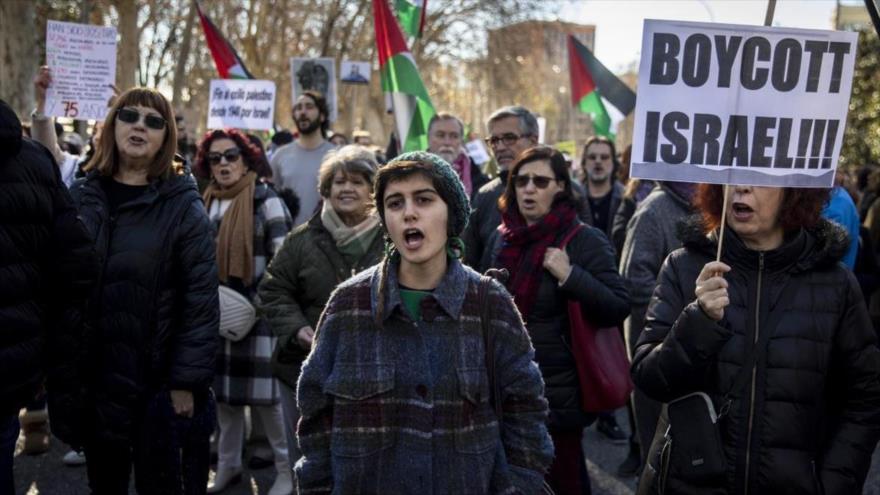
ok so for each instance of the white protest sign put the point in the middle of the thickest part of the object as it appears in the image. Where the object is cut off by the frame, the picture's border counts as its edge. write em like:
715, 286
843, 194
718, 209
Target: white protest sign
241, 104
82, 59
477, 152
748, 105
318, 74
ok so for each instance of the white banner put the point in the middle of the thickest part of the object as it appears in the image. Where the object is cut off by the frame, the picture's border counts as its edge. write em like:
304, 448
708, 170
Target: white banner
82, 59
729, 104
241, 104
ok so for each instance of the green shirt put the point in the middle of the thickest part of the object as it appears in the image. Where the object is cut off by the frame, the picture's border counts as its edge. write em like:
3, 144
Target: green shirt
412, 301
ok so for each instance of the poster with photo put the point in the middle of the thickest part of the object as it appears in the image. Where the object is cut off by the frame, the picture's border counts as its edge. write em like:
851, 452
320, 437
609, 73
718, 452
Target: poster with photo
353, 72
318, 74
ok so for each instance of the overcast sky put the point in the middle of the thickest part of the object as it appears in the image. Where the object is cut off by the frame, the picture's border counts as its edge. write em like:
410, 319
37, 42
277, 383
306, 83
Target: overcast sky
619, 22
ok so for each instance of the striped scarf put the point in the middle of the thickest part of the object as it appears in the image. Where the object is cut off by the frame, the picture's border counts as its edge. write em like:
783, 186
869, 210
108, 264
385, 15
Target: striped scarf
523, 248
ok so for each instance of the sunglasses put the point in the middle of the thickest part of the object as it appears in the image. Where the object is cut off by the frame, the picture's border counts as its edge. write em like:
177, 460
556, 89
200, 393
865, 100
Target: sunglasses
602, 157
231, 155
509, 139
130, 116
540, 181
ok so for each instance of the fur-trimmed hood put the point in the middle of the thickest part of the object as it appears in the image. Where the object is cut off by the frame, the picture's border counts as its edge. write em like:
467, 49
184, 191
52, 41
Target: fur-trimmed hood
819, 246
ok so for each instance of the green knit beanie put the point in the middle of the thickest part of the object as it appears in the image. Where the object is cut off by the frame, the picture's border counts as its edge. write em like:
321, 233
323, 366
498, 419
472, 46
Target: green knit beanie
450, 189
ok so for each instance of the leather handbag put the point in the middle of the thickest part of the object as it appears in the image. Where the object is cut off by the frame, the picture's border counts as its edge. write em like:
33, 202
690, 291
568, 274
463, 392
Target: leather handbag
237, 314
600, 357
686, 453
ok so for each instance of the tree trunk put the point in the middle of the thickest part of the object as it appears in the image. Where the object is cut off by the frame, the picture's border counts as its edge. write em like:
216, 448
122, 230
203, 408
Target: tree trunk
127, 56
180, 68
18, 54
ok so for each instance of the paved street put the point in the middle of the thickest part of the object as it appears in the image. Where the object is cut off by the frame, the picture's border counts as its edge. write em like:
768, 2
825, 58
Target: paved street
47, 475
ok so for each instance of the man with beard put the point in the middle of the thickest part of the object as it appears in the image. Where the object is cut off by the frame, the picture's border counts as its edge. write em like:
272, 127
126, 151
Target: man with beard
604, 192
445, 135
295, 165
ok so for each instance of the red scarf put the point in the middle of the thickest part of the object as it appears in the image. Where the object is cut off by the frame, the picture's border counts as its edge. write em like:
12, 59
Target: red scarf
523, 248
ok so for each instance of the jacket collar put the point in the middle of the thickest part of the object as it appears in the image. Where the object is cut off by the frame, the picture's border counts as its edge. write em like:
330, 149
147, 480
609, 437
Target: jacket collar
449, 294
802, 250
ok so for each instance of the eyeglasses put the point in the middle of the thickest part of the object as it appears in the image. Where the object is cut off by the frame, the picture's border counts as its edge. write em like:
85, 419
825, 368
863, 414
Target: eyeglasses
594, 157
509, 139
231, 155
130, 116
540, 181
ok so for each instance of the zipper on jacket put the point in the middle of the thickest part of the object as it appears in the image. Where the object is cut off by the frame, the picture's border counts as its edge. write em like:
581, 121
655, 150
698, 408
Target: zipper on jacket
754, 373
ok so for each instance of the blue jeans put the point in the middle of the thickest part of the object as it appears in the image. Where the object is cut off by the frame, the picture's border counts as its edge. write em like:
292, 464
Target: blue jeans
8, 437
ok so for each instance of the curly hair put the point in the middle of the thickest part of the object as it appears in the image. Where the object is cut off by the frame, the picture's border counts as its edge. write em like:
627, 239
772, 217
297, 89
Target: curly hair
801, 207
254, 159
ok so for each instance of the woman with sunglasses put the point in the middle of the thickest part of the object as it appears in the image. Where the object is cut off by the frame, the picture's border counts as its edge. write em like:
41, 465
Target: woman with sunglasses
251, 222
148, 358
538, 211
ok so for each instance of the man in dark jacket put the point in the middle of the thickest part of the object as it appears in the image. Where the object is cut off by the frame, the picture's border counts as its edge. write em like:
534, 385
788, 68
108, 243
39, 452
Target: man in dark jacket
604, 192
48, 266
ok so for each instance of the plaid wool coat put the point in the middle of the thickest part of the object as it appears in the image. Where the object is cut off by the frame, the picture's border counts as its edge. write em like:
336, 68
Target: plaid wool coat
244, 374
405, 408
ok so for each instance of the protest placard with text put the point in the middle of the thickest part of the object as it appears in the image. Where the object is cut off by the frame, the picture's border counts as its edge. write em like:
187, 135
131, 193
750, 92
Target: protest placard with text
749, 105
241, 104
82, 59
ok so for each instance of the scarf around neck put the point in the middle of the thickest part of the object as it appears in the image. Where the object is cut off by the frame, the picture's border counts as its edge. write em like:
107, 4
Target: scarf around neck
350, 240
462, 166
235, 239
523, 248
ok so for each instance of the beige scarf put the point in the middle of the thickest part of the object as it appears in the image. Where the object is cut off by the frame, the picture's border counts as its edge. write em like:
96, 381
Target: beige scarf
235, 241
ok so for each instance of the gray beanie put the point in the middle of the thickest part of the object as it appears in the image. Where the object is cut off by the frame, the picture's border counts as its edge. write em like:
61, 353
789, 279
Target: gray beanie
450, 189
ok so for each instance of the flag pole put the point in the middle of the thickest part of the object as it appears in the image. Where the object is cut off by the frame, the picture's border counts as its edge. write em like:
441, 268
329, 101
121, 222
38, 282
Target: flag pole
768, 21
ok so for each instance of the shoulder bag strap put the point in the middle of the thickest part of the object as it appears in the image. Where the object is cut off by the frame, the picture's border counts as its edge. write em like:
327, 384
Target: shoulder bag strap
760, 347
570, 235
489, 343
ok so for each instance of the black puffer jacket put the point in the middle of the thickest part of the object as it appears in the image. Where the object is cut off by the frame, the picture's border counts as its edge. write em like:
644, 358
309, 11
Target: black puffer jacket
594, 281
47, 267
155, 312
815, 417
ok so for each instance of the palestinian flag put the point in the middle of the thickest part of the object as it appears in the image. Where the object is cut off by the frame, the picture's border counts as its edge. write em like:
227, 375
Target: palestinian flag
411, 15
596, 91
229, 64
400, 79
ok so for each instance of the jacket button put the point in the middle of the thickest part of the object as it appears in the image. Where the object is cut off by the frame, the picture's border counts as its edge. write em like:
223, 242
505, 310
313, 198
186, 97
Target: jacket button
422, 391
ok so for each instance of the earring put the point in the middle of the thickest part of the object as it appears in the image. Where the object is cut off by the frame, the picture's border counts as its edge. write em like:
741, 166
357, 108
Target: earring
455, 247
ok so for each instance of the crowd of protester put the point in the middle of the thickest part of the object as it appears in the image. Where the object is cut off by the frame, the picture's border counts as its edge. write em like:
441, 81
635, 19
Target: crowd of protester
374, 357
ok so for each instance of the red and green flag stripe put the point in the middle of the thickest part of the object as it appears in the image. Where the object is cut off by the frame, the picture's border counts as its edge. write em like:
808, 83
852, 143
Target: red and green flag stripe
596, 91
410, 102
227, 61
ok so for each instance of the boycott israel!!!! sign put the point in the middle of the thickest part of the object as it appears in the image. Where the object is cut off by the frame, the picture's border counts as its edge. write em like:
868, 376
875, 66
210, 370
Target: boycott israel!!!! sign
241, 104
727, 104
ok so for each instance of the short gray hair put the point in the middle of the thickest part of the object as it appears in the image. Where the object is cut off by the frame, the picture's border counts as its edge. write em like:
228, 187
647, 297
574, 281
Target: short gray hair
528, 124
446, 116
350, 159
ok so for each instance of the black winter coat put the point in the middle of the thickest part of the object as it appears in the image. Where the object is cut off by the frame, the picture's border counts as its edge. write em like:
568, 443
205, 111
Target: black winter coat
47, 267
810, 419
154, 314
594, 281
